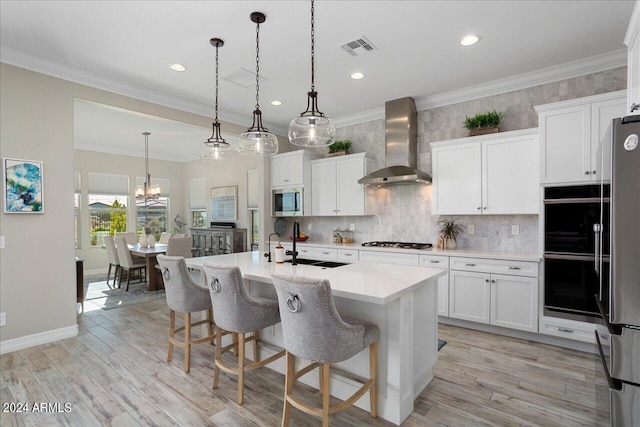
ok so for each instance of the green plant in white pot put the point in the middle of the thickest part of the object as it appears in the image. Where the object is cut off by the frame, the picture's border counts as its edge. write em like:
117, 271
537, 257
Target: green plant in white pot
450, 230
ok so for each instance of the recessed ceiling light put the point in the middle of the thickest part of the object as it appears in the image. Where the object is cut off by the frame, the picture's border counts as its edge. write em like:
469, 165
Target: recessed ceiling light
469, 40
357, 76
177, 67
276, 103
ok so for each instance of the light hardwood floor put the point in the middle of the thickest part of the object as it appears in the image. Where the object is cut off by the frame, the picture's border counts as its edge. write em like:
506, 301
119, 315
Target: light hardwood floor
115, 373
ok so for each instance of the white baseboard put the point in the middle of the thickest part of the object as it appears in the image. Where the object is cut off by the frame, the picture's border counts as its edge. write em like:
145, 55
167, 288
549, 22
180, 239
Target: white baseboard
21, 343
541, 338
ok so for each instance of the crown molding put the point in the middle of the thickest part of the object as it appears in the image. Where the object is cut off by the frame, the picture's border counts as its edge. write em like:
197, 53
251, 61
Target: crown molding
566, 71
22, 59
573, 69
569, 70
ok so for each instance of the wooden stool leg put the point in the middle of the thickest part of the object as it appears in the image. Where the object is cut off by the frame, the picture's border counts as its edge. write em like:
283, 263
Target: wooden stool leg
172, 333
235, 344
373, 373
326, 395
241, 345
288, 389
210, 324
216, 369
187, 342
256, 349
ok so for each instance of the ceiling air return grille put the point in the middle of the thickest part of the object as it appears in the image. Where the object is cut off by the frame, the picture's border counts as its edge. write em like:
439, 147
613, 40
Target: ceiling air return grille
358, 46
244, 78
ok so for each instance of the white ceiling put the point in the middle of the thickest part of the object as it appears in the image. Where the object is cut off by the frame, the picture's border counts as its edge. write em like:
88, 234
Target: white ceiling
126, 46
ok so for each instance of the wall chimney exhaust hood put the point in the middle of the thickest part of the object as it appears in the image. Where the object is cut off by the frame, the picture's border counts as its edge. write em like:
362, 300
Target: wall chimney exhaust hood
401, 145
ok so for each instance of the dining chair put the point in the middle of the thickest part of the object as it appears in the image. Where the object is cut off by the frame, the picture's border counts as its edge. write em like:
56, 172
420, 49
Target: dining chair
130, 236
235, 311
112, 256
126, 261
179, 246
184, 296
164, 237
313, 329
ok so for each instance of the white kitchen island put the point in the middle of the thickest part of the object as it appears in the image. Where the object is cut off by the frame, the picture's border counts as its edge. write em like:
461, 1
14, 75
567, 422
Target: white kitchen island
401, 300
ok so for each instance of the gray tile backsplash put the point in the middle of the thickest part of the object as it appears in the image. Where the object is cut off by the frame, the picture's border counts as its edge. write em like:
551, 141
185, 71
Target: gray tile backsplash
403, 213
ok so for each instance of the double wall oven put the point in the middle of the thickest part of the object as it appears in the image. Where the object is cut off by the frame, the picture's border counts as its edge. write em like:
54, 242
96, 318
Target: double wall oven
576, 255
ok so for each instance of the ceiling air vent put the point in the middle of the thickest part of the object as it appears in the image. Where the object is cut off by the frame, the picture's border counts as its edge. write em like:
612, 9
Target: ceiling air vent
358, 46
244, 78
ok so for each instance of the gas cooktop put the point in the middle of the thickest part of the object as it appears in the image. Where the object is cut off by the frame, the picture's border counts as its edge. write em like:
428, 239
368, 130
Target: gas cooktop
400, 245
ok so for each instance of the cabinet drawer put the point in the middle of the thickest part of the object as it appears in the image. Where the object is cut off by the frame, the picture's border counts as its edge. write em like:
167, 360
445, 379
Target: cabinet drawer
388, 257
348, 254
436, 261
514, 268
565, 328
311, 252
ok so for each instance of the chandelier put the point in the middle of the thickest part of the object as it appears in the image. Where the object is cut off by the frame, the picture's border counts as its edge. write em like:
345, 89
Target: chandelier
147, 190
312, 128
257, 140
216, 149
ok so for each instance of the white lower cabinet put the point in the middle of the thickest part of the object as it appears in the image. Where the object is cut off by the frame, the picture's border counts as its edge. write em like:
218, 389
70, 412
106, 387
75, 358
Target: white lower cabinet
469, 296
436, 261
388, 257
506, 300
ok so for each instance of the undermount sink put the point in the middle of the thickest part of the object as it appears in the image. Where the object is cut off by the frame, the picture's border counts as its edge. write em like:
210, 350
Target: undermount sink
318, 263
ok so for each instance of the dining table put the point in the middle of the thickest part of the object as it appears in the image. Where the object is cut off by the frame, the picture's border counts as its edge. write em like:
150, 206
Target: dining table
149, 253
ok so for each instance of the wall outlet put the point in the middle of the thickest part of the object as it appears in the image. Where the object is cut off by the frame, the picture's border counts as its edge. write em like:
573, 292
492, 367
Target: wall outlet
352, 227
1, 242
515, 230
471, 229
3, 319
310, 226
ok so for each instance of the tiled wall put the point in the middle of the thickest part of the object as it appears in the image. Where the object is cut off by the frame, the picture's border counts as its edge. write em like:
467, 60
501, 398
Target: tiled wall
403, 213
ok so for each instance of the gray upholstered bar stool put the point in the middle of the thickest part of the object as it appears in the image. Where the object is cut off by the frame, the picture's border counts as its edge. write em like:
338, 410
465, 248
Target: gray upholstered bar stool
314, 330
184, 296
236, 312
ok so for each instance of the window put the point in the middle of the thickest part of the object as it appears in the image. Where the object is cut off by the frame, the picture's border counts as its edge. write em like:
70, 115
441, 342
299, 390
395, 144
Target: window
107, 215
152, 216
255, 229
76, 220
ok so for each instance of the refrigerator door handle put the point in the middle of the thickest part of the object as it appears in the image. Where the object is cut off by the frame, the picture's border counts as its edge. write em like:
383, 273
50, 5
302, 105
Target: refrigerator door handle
596, 235
614, 384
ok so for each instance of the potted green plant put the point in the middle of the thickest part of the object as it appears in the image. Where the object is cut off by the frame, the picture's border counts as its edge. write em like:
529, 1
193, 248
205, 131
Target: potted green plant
481, 124
339, 148
449, 230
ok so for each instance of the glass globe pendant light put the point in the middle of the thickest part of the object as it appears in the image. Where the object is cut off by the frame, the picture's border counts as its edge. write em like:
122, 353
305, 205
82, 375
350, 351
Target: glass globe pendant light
216, 149
312, 128
257, 140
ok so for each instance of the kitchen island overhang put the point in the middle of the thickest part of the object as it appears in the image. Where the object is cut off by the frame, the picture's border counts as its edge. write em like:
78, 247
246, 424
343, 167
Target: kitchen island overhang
400, 300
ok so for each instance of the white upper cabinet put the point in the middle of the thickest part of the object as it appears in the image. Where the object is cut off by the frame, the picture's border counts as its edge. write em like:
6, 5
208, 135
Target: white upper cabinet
572, 137
291, 169
334, 185
632, 41
496, 174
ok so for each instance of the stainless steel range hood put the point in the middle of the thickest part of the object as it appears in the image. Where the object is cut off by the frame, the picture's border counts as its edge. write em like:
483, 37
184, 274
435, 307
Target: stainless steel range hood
401, 144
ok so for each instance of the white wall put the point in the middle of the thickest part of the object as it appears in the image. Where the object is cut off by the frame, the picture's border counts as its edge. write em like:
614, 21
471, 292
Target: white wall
37, 268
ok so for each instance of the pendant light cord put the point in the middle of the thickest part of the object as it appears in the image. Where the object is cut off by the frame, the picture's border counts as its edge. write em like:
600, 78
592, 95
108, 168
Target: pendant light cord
257, 66
216, 119
313, 85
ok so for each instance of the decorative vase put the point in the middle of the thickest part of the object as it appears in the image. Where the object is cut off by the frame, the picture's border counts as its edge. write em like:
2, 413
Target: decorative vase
152, 241
144, 241
338, 153
483, 131
450, 243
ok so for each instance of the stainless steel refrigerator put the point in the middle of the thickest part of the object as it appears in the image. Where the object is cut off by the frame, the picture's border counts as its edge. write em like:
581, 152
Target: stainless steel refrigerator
620, 304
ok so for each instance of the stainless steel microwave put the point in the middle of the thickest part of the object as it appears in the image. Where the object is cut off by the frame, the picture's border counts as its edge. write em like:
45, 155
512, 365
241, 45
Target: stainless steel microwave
287, 202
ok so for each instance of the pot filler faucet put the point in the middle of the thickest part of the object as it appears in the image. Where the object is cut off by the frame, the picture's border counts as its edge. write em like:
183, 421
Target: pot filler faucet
296, 235
268, 254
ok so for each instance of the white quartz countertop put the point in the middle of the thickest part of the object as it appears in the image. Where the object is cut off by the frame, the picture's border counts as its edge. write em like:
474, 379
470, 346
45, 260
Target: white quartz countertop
362, 281
475, 253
